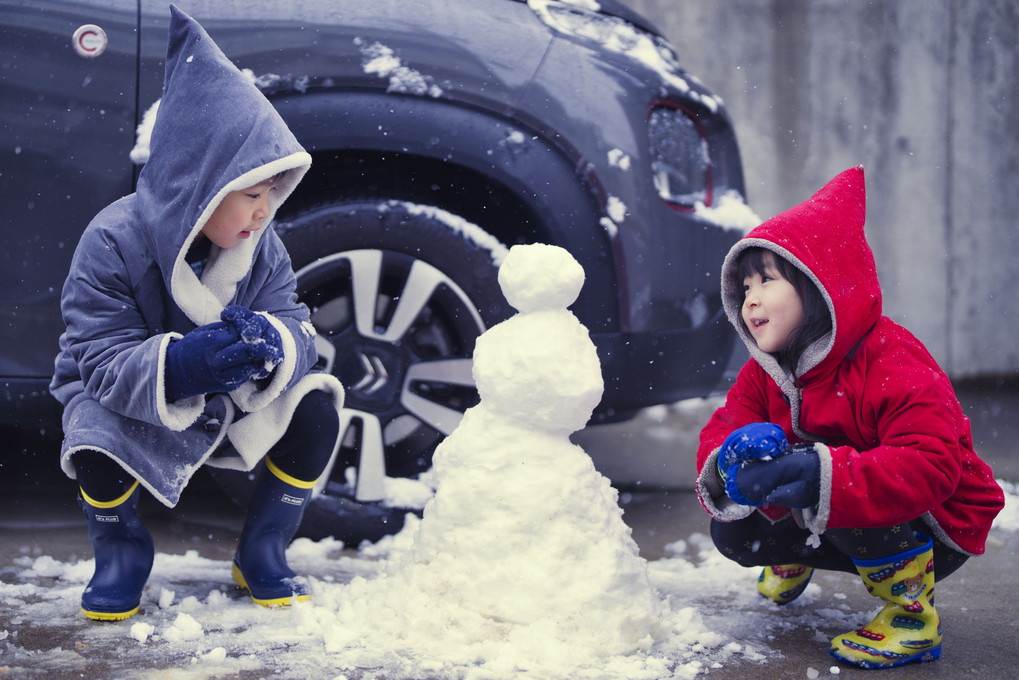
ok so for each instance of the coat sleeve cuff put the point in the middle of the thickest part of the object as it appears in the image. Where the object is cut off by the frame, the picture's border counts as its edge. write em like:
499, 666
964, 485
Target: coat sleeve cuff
711, 492
176, 415
250, 396
815, 519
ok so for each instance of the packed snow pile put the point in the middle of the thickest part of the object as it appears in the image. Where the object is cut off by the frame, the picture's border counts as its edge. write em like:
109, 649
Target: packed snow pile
521, 560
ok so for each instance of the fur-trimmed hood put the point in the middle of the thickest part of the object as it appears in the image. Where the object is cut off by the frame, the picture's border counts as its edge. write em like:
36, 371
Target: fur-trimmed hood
824, 238
209, 105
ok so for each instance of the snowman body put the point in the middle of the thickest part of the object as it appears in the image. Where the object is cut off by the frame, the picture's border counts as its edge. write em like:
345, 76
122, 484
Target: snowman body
522, 529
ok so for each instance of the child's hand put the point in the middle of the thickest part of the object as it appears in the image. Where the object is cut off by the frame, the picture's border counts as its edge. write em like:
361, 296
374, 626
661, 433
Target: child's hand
210, 358
753, 442
258, 333
792, 481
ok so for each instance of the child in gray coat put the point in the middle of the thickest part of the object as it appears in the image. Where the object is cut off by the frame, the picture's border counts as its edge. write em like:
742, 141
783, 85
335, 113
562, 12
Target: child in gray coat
185, 344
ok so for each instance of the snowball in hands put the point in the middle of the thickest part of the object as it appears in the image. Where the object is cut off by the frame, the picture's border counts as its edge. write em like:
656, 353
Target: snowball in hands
256, 331
521, 558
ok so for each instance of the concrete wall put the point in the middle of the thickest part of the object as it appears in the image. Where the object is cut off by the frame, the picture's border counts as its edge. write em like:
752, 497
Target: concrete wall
924, 94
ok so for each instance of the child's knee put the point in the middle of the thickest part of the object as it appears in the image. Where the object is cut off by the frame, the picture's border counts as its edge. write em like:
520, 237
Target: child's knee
734, 542
317, 409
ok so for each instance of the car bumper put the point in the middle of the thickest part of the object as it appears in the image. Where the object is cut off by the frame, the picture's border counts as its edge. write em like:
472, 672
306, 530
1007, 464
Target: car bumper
27, 402
647, 368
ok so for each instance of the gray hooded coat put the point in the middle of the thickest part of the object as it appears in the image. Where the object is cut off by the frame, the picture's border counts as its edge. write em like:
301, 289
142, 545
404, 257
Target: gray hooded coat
130, 291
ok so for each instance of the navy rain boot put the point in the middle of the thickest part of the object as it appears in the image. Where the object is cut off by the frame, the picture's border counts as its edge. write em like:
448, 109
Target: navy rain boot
260, 564
124, 554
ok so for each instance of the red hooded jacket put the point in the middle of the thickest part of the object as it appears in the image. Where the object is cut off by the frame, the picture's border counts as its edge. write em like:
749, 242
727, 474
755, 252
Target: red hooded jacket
893, 442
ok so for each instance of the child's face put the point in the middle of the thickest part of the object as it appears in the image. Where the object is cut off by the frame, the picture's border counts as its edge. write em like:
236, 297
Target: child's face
772, 308
240, 214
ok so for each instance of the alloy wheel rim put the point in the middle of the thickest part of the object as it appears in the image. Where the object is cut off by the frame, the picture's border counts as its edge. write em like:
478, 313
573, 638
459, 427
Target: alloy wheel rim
399, 334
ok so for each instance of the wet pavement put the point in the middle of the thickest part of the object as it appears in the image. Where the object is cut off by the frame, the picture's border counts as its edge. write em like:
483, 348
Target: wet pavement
39, 516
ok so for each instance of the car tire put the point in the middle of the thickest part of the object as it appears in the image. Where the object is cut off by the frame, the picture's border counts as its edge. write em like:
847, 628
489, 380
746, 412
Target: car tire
399, 292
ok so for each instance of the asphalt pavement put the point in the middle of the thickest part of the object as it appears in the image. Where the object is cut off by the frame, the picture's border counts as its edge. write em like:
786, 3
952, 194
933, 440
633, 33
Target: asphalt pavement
39, 516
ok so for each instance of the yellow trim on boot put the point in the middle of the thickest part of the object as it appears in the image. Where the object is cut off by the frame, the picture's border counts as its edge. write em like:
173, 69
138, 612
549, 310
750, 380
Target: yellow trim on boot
272, 602
292, 481
109, 616
106, 505
908, 628
783, 583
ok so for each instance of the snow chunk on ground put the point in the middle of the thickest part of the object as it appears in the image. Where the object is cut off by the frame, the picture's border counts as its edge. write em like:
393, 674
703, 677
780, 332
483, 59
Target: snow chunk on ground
184, 627
141, 631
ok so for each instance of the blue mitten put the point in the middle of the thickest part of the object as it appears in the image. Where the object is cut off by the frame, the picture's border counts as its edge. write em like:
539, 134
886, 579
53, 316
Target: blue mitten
256, 331
752, 442
210, 358
792, 481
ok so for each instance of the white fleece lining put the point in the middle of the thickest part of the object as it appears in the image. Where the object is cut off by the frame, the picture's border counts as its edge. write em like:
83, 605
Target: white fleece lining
249, 397
253, 435
936, 531
178, 415
203, 301
720, 507
732, 300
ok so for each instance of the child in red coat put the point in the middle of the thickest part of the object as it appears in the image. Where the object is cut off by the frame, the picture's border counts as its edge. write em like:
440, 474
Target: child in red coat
841, 444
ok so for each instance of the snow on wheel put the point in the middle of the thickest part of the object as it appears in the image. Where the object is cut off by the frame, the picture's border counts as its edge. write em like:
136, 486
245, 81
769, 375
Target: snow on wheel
398, 293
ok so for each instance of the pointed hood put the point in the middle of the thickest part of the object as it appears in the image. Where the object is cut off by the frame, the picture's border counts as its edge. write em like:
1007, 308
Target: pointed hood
214, 133
824, 238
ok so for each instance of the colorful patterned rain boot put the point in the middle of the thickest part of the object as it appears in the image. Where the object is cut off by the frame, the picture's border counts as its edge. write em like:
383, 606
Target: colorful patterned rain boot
124, 554
783, 583
260, 564
908, 628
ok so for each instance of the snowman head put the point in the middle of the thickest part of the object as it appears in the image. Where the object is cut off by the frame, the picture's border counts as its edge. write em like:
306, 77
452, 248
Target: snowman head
538, 276
539, 368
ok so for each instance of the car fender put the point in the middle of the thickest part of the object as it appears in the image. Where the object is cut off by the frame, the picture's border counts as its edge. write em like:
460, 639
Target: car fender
451, 135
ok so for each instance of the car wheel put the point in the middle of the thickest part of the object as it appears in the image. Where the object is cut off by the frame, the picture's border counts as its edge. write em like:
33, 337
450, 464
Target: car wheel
398, 293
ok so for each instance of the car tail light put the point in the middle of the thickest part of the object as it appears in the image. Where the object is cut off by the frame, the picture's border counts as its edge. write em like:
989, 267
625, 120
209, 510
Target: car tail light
680, 162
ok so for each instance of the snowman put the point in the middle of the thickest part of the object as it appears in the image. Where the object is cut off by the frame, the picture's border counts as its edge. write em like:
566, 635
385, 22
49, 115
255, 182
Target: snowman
522, 556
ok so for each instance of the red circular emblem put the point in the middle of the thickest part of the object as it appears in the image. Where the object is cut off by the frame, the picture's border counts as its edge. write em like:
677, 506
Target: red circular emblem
89, 40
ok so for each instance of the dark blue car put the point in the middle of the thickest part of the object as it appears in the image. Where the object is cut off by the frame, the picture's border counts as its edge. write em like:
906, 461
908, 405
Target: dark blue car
442, 131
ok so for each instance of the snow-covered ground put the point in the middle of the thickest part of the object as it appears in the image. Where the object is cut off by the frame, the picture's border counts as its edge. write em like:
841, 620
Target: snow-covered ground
197, 624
